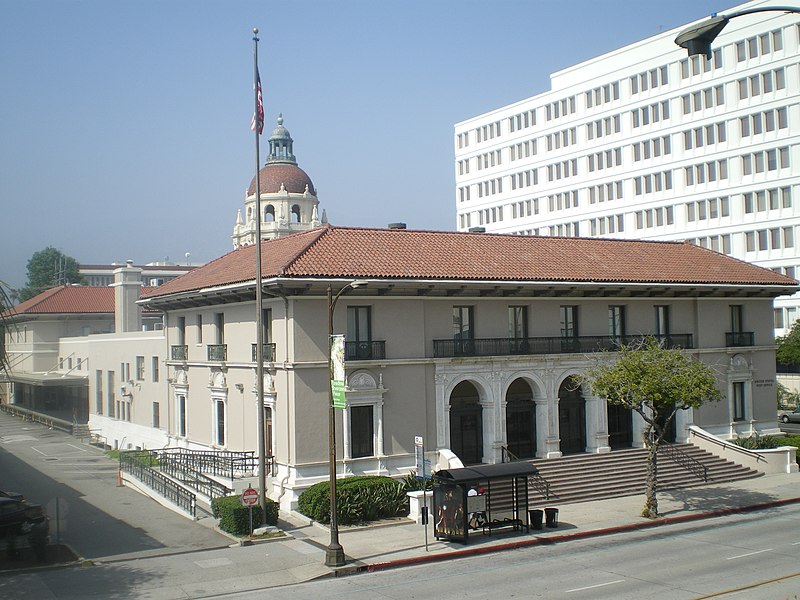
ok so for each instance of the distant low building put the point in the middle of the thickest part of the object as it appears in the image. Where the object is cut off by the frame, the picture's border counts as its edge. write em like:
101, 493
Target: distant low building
153, 273
46, 374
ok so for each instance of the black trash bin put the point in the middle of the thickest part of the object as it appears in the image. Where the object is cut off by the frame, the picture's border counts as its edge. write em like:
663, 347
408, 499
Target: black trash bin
551, 517
536, 517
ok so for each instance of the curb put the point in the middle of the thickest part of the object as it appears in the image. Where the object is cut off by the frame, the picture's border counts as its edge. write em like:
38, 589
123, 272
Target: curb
443, 556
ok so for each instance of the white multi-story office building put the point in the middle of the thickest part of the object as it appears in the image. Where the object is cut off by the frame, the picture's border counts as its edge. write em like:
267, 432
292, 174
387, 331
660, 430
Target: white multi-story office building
646, 142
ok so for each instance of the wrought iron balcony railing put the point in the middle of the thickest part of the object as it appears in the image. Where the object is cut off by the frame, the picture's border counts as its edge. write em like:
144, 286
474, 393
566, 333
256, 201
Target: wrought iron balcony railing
179, 352
268, 352
373, 350
546, 345
740, 338
217, 352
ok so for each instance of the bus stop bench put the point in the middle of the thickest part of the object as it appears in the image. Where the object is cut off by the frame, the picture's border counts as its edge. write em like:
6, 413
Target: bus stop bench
517, 524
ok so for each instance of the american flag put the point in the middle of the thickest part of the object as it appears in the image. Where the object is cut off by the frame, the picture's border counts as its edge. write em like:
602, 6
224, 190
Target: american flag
258, 116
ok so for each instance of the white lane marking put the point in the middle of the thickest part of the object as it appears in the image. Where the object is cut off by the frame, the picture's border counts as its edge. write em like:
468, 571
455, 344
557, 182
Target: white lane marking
591, 587
213, 563
35, 449
748, 554
84, 450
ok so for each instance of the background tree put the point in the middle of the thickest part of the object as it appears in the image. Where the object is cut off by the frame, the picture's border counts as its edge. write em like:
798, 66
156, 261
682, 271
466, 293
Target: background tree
7, 294
48, 268
655, 382
788, 352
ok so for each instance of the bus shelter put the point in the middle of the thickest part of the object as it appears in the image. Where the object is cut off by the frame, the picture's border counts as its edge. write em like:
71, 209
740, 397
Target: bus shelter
481, 498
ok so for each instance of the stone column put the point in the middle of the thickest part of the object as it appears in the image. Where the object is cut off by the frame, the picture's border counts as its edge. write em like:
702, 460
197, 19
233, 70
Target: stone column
442, 412
596, 425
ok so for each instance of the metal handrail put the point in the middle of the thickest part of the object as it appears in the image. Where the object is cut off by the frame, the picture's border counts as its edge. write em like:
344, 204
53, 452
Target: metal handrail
224, 463
268, 352
217, 352
140, 464
689, 463
507, 455
727, 445
539, 482
547, 345
735, 339
27, 414
183, 471
371, 350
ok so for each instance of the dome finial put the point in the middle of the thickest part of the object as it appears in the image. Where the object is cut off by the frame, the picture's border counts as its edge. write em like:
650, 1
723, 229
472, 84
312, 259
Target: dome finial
280, 145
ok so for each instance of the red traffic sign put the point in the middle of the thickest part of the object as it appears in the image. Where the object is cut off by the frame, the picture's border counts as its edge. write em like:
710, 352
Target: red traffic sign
249, 497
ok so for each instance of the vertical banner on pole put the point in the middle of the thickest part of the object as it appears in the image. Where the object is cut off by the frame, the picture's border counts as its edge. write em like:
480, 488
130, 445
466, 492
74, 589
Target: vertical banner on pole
337, 371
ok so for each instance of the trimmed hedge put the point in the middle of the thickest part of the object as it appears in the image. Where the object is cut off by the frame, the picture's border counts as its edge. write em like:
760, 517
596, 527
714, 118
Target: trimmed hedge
764, 442
234, 517
358, 499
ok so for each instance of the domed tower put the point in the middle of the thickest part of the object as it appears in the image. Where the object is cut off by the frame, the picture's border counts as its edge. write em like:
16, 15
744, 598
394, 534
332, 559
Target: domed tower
288, 200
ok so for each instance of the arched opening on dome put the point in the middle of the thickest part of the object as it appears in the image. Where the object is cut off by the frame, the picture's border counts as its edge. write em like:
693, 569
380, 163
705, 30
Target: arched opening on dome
249, 213
269, 214
295, 213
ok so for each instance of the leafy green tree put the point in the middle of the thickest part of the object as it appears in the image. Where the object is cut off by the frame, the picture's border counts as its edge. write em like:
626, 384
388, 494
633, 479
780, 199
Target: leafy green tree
6, 301
48, 268
655, 382
787, 397
788, 352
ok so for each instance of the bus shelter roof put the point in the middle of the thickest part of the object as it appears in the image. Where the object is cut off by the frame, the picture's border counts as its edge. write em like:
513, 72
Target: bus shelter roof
486, 472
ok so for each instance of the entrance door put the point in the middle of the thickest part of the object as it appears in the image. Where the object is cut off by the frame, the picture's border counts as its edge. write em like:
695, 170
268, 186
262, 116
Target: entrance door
521, 420
571, 418
620, 427
466, 434
466, 424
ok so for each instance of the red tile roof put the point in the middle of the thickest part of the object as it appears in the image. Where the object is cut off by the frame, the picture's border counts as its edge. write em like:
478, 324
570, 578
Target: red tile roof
70, 299
349, 252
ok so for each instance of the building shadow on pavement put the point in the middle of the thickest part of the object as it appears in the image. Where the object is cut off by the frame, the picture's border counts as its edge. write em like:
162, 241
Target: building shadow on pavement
109, 582
714, 498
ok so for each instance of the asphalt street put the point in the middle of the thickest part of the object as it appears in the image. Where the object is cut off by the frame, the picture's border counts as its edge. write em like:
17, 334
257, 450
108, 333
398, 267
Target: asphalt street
747, 556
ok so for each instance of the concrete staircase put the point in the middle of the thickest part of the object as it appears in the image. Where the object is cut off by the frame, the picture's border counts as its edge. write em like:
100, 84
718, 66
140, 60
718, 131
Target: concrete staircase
585, 477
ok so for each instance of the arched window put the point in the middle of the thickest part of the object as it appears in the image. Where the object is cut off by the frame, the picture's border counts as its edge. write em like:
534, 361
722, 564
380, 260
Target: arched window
269, 213
295, 213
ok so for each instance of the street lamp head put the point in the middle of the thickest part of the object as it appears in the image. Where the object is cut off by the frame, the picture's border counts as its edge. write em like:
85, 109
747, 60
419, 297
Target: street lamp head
697, 38
358, 283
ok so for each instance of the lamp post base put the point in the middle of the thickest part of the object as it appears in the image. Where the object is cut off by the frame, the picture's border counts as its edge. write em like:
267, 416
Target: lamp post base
334, 555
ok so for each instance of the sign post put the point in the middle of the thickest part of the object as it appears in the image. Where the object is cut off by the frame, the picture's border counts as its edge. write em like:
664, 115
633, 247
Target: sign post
419, 455
250, 499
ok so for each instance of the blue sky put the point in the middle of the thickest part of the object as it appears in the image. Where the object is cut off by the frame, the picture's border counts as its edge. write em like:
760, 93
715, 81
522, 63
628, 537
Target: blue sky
125, 124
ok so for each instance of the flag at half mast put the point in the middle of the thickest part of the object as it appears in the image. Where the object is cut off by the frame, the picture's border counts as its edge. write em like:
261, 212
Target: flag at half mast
258, 116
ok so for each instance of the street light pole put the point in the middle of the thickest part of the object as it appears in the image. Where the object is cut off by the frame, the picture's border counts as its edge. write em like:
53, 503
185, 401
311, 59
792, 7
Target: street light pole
697, 38
334, 554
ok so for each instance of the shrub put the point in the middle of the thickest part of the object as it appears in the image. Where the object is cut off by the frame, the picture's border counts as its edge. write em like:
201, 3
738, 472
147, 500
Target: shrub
234, 517
412, 483
358, 499
759, 442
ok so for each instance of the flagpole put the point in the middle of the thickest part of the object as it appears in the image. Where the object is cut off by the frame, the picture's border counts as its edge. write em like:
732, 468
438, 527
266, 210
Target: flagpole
262, 478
